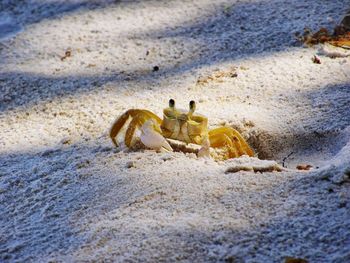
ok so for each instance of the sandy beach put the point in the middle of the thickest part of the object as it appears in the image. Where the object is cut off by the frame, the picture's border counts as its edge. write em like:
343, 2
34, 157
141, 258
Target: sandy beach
68, 69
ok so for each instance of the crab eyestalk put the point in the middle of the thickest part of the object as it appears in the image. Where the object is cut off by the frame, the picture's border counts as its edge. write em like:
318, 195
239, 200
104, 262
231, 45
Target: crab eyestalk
172, 103
171, 108
192, 108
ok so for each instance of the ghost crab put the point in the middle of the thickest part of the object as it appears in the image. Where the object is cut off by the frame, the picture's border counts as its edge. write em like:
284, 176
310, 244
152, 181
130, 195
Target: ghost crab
186, 126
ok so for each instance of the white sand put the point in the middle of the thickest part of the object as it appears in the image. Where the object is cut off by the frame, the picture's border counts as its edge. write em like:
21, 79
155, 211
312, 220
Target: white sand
66, 194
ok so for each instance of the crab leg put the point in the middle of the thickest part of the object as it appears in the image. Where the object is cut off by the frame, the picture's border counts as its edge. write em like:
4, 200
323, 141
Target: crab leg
229, 137
133, 113
222, 140
136, 123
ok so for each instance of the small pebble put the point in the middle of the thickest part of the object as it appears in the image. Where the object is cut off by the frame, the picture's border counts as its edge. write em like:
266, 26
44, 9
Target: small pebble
130, 164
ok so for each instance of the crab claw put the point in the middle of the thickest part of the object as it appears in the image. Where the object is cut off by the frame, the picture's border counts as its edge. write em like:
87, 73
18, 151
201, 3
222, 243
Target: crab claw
204, 151
151, 136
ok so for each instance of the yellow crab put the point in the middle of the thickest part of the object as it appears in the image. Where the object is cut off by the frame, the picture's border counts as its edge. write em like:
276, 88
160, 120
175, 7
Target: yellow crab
177, 124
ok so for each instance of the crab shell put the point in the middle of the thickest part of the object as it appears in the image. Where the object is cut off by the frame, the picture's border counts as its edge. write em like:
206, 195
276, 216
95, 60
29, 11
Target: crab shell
183, 126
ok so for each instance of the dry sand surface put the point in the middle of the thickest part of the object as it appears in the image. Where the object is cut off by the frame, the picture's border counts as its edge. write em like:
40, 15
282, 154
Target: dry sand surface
68, 195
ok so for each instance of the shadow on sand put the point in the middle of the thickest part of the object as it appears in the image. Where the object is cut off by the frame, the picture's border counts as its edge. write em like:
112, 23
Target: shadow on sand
234, 31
